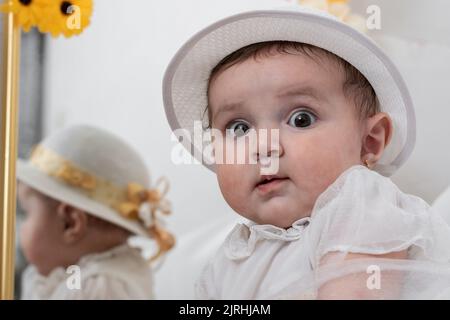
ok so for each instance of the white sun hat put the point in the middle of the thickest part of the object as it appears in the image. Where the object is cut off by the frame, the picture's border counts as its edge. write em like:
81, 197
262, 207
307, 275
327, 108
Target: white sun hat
96, 171
186, 78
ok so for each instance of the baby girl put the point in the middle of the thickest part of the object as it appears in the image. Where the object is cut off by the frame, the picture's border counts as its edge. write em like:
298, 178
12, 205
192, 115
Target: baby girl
84, 192
328, 223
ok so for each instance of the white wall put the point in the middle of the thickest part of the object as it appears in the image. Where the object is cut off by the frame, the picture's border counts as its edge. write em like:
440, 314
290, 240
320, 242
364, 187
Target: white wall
111, 75
416, 35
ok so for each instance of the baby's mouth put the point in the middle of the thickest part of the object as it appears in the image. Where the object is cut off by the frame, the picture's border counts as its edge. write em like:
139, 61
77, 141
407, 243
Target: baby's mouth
270, 183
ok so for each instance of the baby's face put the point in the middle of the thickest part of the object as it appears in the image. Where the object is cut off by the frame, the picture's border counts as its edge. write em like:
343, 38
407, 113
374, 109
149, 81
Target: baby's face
40, 232
320, 133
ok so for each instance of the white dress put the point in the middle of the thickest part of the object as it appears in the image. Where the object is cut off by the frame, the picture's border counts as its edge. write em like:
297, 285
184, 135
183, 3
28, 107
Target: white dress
119, 273
361, 212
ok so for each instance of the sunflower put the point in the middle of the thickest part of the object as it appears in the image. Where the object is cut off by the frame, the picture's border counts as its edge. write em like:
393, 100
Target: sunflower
27, 12
66, 17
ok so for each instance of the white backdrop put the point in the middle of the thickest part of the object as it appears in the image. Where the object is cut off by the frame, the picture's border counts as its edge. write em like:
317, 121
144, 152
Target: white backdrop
111, 77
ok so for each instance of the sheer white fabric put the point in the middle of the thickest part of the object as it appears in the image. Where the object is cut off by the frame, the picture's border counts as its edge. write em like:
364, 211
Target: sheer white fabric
361, 213
119, 273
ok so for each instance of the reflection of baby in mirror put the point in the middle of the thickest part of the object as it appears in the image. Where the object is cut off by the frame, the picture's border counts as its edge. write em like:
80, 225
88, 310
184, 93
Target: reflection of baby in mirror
327, 219
82, 192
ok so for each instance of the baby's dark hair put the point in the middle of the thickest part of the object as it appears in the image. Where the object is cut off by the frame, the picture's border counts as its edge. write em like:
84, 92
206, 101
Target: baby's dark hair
355, 85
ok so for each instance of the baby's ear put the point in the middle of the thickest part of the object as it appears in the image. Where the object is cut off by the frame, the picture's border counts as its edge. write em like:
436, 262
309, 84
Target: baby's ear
377, 135
73, 221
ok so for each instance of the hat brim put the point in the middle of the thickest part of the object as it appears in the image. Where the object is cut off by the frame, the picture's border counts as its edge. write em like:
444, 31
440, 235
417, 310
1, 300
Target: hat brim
186, 78
55, 189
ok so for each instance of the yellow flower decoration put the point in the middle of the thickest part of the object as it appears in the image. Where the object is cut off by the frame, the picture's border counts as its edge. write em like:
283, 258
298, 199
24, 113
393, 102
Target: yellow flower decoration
340, 9
28, 12
51, 16
143, 205
66, 17
137, 195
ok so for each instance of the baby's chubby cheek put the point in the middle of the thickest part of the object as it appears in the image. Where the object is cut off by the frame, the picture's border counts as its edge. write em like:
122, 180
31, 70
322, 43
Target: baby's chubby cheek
36, 241
234, 183
315, 163
27, 242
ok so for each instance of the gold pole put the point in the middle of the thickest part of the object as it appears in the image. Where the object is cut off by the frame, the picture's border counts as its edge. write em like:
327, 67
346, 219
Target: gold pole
10, 69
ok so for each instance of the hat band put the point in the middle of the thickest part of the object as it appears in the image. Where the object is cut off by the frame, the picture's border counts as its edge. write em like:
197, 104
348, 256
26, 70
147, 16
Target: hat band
133, 202
54, 165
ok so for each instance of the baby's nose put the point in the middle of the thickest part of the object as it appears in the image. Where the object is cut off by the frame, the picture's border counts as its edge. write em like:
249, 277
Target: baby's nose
269, 145
269, 160
264, 157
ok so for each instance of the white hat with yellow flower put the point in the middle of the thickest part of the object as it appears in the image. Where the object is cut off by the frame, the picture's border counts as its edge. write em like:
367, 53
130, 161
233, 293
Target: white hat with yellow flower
327, 24
98, 172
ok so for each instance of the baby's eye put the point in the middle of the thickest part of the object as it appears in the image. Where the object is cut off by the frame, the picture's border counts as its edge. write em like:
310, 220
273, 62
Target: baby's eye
302, 119
238, 128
